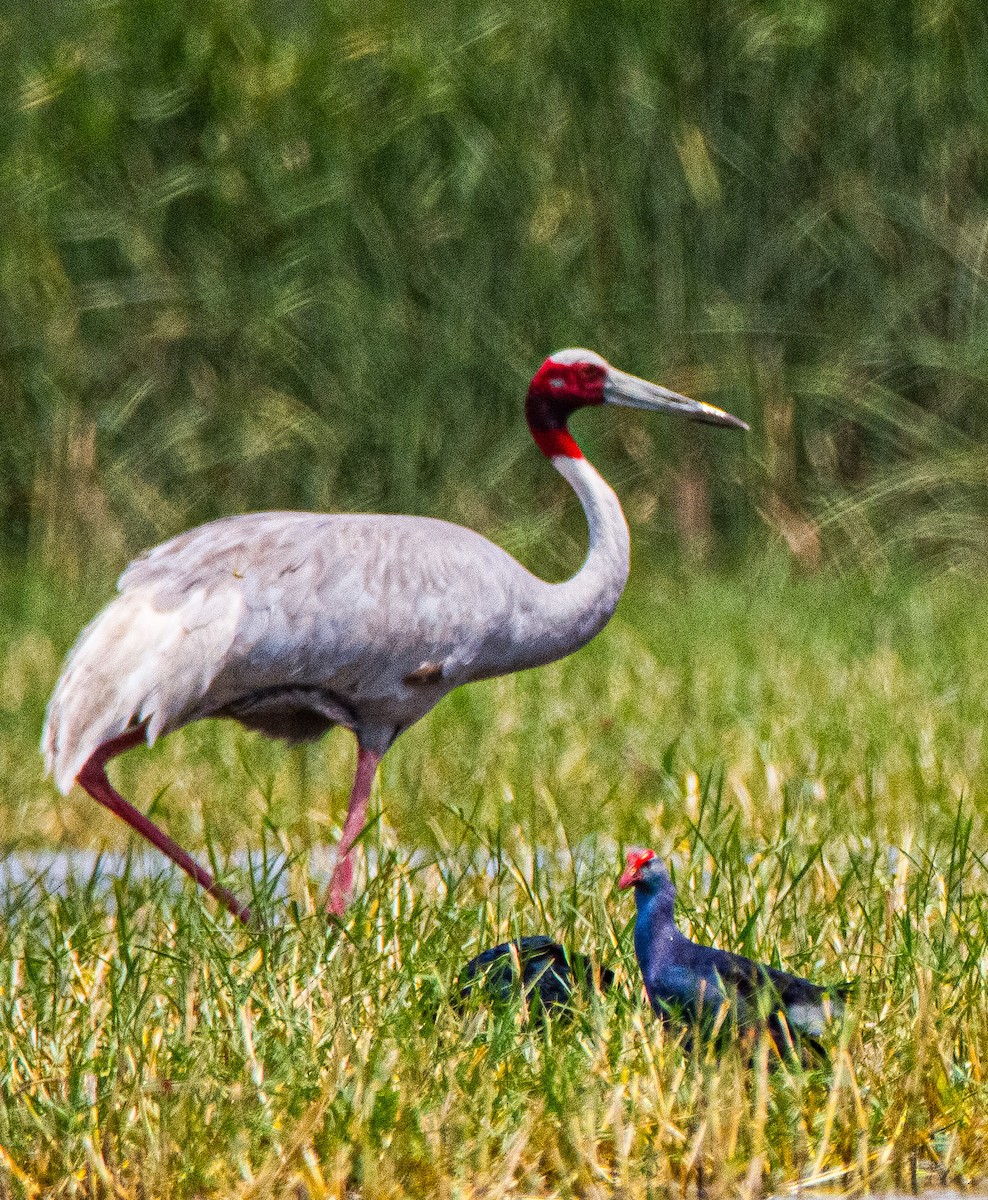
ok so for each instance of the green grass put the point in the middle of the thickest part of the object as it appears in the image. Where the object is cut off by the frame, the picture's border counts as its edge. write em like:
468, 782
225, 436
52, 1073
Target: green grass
809, 753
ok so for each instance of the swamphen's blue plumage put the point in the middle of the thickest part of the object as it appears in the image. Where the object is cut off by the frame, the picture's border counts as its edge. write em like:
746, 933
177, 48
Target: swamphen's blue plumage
546, 974
685, 979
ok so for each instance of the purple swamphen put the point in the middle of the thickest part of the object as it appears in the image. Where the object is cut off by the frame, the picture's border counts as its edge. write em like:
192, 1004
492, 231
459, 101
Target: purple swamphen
549, 976
687, 980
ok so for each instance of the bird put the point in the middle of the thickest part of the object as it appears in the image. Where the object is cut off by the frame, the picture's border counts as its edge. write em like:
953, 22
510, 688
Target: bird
548, 974
693, 982
292, 623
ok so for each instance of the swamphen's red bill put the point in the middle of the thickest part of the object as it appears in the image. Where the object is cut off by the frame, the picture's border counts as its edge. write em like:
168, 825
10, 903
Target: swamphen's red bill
636, 859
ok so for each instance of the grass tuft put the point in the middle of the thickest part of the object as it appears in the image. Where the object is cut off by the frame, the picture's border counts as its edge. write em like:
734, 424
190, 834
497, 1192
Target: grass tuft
807, 753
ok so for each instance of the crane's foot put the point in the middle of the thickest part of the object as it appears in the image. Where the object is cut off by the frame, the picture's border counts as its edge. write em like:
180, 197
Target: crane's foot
231, 904
94, 779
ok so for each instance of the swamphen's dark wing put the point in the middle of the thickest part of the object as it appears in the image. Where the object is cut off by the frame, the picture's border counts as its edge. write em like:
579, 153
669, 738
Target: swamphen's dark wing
546, 974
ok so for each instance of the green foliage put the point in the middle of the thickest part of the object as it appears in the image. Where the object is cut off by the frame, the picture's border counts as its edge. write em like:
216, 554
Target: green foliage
308, 255
808, 753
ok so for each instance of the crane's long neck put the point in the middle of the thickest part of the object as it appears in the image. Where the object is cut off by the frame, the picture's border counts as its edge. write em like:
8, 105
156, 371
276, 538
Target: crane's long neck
571, 613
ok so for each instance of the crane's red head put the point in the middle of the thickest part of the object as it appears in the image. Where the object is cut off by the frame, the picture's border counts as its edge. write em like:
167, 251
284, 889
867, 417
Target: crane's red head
572, 379
566, 381
636, 859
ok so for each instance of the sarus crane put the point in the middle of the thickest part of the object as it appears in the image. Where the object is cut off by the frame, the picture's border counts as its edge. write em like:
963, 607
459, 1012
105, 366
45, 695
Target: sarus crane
293, 622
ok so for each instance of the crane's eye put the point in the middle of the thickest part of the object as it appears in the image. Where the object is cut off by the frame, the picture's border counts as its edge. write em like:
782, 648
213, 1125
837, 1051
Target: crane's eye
590, 373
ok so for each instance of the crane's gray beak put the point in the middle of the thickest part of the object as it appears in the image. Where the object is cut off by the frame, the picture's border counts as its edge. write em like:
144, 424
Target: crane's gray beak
633, 392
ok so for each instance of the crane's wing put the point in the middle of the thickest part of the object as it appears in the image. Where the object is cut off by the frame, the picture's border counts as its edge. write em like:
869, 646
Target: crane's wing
233, 609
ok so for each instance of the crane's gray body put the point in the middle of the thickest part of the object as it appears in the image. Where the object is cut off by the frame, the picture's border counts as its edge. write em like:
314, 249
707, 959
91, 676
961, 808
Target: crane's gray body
294, 622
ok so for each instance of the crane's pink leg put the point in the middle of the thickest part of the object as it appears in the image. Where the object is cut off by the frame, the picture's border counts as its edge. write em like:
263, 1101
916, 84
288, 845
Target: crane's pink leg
94, 779
340, 885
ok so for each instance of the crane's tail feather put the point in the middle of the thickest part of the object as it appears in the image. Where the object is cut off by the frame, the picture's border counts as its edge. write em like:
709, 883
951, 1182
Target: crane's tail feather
134, 663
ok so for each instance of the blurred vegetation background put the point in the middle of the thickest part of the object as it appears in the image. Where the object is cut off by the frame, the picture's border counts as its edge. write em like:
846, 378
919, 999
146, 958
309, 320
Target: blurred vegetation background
308, 255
